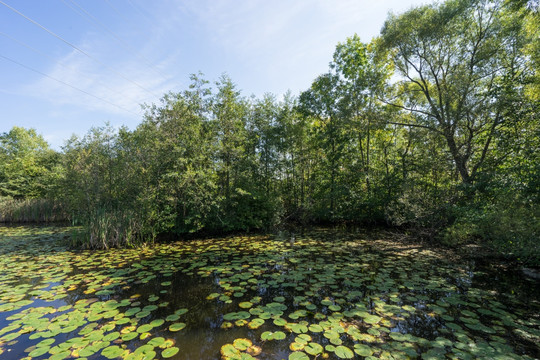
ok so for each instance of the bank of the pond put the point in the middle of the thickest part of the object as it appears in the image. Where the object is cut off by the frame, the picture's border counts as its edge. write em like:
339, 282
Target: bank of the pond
317, 294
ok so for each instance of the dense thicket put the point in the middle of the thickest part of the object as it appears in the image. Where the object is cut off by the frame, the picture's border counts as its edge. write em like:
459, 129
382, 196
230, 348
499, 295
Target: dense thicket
433, 126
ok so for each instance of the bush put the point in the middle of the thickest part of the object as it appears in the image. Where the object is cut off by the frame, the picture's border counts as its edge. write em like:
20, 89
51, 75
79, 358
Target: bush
508, 225
512, 227
426, 212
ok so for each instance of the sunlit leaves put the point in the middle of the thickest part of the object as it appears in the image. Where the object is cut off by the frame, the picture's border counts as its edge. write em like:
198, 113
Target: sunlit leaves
364, 304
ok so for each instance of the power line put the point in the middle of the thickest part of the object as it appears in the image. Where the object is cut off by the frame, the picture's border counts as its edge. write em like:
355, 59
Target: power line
57, 62
76, 48
122, 16
66, 84
115, 10
112, 34
140, 11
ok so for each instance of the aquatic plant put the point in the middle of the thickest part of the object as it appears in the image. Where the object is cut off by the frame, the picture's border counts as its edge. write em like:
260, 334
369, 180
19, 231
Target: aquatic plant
331, 295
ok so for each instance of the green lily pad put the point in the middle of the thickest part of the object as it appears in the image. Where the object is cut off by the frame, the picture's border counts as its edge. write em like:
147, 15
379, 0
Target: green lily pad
242, 344
177, 326
38, 351
269, 335
229, 351
129, 336
363, 350
372, 319
313, 349
255, 323
245, 305
112, 352
343, 352
170, 352
298, 355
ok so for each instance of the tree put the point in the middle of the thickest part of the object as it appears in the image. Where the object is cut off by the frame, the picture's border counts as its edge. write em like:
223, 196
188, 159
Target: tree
363, 74
229, 113
27, 164
452, 59
177, 158
325, 104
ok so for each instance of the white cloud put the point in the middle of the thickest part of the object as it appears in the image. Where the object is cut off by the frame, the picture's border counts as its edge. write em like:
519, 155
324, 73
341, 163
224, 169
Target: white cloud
107, 81
281, 44
264, 45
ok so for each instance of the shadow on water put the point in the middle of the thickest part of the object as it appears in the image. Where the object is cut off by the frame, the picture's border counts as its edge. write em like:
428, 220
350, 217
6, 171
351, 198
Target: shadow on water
353, 293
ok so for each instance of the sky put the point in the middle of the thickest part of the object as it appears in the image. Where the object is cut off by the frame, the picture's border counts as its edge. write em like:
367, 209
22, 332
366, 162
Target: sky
69, 65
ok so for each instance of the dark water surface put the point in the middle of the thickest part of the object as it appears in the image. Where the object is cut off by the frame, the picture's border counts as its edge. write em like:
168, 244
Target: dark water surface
323, 294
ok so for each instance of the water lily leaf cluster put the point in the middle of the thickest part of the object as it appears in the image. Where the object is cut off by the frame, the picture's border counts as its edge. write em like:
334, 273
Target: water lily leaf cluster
329, 295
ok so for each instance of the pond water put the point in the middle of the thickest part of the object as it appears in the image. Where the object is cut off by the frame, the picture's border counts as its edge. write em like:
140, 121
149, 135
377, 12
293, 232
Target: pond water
324, 294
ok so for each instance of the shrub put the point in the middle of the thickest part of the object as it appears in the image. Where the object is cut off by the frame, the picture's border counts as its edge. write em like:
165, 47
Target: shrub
512, 227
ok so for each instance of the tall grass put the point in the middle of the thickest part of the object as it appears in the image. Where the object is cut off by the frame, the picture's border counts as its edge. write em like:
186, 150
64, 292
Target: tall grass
32, 211
103, 229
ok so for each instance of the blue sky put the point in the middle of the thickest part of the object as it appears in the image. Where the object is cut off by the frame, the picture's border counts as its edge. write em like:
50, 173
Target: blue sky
133, 51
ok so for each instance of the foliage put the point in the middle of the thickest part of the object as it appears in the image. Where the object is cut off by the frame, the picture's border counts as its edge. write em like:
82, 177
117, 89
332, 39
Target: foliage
512, 228
433, 127
31, 211
26, 164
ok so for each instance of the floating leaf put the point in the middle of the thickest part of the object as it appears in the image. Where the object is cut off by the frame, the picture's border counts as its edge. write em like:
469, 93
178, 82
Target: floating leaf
362, 350
112, 352
229, 351
294, 346
170, 352
242, 344
343, 352
245, 305
177, 326
255, 323
38, 351
313, 349
298, 355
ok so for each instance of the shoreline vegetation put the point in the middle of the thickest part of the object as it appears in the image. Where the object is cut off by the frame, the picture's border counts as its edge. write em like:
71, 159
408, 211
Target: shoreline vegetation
431, 128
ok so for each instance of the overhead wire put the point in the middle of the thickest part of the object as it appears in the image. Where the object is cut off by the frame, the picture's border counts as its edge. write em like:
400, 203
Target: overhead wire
66, 84
148, 18
57, 62
122, 16
84, 13
78, 49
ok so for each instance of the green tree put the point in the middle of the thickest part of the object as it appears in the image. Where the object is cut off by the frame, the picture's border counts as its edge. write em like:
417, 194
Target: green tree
325, 104
451, 58
177, 159
27, 164
363, 73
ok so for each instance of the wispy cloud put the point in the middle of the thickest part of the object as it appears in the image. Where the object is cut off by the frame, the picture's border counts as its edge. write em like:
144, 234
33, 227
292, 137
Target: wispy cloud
284, 44
264, 45
105, 79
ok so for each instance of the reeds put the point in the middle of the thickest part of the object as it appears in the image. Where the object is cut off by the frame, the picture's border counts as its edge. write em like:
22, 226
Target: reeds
103, 229
32, 211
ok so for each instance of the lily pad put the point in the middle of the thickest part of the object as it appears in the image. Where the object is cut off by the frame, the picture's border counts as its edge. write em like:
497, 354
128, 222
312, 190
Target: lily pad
343, 352
170, 352
112, 352
313, 349
298, 355
177, 326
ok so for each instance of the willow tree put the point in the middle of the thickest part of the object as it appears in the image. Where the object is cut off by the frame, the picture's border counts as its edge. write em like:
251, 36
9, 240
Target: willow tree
454, 59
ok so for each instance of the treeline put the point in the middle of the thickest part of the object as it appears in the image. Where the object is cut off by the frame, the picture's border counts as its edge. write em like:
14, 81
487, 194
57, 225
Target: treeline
432, 126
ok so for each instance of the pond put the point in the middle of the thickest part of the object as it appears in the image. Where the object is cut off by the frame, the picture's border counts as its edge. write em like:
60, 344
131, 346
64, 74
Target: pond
324, 294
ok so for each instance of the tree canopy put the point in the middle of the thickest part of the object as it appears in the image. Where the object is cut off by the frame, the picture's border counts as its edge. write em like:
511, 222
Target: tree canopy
431, 126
